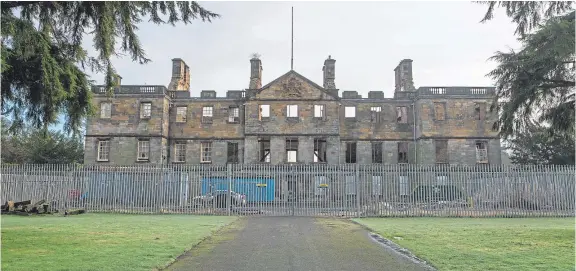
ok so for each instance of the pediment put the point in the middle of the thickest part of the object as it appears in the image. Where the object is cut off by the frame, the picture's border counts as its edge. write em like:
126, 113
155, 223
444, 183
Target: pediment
293, 86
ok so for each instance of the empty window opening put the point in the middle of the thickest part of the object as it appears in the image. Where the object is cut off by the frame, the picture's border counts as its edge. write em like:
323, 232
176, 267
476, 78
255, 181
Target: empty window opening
402, 152
103, 150
439, 111
206, 152
402, 114
377, 156
495, 126
207, 114
441, 151
180, 152
291, 150
351, 152
481, 152
320, 150
145, 110
234, 114
376, 112
105, 110
143, 150
319, 111
264, 153
181, 113
264, 111
480, 111
233, 152
350, 111
292, 111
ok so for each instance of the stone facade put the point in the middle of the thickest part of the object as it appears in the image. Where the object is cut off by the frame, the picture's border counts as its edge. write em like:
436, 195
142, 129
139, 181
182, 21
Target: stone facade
292, 120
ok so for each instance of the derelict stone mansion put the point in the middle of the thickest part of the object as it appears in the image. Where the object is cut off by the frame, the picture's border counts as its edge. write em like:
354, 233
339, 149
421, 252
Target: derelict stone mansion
291, 120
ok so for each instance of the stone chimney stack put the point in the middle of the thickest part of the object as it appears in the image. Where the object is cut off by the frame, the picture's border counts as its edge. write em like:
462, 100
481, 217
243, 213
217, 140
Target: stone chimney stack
329, 70
403, 79
180, 75
255, 73
118, 80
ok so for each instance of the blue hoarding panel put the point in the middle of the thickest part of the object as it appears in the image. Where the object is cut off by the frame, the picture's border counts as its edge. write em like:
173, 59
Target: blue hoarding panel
255, 189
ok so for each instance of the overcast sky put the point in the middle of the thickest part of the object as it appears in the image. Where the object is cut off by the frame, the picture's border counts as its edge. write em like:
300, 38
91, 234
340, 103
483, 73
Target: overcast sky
446, 41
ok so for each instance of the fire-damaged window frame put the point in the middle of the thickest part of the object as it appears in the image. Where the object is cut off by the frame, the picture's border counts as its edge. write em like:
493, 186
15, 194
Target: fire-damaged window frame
207, 114
480, 111
351, 152
481, 148
233, 114
262, 109
320, 150
264, 150
376, 114
205, 152
179, 151
441, 146
319, 111
401, 114
181, 113
291, 150
146, 110
403, 152
105, 110
439, 111
377, 152
232, 151
103, 150
143, 150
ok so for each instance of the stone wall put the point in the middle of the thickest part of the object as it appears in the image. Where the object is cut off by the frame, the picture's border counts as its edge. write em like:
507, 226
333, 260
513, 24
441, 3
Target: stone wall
385, 126
447, 113
125, 116
123, 150
218, 127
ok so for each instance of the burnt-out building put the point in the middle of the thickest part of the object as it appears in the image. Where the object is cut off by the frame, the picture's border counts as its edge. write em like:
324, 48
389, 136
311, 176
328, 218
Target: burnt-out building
291, 120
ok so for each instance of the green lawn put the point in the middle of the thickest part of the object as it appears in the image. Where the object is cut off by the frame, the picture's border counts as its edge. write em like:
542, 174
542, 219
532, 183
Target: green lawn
101, 241
484, 244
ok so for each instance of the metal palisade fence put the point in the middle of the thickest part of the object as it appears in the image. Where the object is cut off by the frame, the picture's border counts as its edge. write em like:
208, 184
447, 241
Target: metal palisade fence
345, 190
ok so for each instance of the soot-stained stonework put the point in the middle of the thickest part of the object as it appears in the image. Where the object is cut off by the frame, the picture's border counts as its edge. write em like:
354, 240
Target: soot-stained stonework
317, 124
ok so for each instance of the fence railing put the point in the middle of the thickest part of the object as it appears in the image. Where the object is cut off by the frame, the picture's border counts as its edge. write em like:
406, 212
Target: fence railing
346, 190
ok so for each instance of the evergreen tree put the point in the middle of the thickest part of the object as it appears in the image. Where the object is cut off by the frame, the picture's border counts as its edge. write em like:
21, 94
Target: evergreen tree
44, 64
31, 145
536, 82
537, 147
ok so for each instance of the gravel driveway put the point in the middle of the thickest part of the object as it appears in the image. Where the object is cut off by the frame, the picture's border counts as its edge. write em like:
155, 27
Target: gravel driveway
292, 244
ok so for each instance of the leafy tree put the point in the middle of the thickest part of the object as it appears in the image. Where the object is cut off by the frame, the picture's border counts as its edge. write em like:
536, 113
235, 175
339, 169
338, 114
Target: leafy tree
537, 147
536, 82
44, 64
40, 146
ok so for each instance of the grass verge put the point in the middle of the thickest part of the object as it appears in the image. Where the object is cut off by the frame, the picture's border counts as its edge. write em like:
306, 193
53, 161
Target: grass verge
483, 243
101, 241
